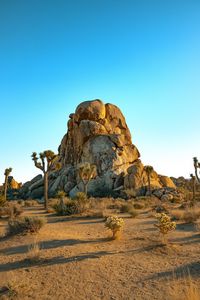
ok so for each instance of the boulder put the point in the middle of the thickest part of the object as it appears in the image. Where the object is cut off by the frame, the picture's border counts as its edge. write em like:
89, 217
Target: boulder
97, 133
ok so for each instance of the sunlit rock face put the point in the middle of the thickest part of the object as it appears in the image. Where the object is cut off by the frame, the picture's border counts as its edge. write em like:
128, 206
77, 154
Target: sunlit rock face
97, 133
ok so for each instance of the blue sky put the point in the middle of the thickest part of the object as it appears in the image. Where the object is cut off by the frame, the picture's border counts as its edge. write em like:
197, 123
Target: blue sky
143, 56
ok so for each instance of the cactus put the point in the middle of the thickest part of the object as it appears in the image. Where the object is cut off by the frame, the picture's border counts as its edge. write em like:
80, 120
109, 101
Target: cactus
86, 172
196, 167
148, 170
46, 162
6, 173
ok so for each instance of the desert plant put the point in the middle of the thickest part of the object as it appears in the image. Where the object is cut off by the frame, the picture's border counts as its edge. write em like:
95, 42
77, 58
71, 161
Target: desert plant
11, 210
6, 174
61, 196
34, 252
148, 170
133, 213
2, 200
70, 207
165, 225
86, 172
126, 207
46, 162
196, 167
25, 225
115, 224
191, 215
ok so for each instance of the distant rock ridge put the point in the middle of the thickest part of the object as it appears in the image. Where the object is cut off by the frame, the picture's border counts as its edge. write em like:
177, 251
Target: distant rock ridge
97, 133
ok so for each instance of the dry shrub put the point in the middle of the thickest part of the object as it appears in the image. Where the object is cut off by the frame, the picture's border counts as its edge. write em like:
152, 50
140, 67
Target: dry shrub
133, 213
125, 208
11, 210
138, 205
190, 215
25, 225
29, 203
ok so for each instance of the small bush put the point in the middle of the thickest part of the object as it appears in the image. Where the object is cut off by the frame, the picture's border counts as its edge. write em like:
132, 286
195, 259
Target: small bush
34, 252
29, 203
20, 202
190, 215
25, 225
165, 225
2, 200
133, 213
125, 208
11, 210
115, 224
70, 207
139, 205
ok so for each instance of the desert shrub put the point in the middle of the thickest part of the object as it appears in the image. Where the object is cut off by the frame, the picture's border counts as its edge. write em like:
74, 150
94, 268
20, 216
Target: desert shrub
133, 213
191, 215
25, 225
2, 200
20, 202
70, 207
34, 252
115, 224
125, 208
165, 225
29, 203
138, 205
11, 210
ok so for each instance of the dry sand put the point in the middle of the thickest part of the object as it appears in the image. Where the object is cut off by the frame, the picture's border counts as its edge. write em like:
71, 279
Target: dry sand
79, 261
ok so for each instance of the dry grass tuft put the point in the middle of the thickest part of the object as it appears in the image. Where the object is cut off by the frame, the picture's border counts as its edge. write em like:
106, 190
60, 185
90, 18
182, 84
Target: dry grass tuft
190, 215
34, 252
186, 290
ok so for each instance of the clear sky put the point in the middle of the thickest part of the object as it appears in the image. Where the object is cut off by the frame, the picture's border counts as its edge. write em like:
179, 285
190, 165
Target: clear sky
143, 56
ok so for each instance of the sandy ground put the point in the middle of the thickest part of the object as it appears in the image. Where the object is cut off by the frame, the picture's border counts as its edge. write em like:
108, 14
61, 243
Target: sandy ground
79, 261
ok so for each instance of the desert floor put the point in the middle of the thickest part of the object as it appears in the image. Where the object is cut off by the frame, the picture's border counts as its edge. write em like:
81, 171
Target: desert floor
78, 260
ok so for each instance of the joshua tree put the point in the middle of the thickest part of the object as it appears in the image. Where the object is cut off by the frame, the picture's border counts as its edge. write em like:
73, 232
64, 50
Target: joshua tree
193, 181
196, 167
6, 173
46, 162
149, 170
86, 172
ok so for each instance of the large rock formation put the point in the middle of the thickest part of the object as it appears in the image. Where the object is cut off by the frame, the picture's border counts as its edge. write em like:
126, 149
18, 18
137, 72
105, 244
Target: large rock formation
97, 133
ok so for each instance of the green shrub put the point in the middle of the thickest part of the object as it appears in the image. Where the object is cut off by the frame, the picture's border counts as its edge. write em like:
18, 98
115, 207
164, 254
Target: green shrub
69, 208
25, 225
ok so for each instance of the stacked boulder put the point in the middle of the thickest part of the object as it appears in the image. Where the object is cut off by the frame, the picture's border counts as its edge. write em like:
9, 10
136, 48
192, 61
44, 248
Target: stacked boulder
97, 133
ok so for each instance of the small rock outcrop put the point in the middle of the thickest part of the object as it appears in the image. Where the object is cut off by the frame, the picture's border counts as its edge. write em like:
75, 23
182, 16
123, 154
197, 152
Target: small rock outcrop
97, 133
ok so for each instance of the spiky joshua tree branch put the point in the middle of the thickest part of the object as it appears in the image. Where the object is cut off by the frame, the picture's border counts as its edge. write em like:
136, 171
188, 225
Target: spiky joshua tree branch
86, 172
6, 174
46, 161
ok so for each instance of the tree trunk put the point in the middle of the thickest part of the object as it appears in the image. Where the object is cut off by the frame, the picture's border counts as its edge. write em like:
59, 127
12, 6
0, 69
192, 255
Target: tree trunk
5, 187
86, 188
194, 190
149, 184
46, 190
